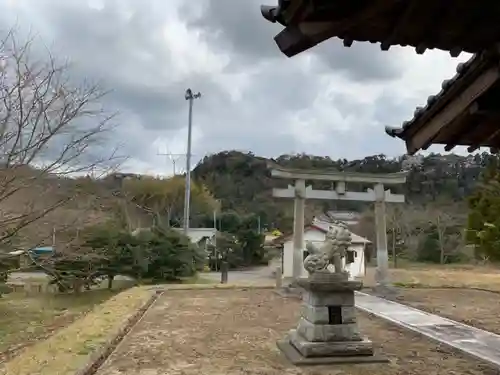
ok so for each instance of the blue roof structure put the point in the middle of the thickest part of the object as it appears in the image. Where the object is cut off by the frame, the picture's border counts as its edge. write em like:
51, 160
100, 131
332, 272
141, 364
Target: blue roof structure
42, 250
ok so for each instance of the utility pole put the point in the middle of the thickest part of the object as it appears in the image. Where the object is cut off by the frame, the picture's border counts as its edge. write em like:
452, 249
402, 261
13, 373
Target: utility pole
216, 252
174, 158
187, 196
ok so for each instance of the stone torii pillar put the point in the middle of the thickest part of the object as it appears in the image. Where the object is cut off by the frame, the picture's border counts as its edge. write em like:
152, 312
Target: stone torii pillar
298, 227
382, 273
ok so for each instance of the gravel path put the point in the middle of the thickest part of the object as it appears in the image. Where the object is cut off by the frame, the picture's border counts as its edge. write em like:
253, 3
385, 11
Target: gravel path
234, 332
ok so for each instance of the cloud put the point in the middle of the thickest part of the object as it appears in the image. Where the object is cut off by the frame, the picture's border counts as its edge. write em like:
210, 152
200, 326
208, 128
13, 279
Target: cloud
330, 100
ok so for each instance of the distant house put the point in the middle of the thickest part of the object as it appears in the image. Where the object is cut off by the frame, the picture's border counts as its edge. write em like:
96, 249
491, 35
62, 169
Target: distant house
199, 236
269, 239
26, 256
354, 262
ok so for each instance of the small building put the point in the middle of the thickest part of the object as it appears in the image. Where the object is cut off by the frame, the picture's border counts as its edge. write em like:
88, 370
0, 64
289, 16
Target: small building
269, 239
26, 256
316, 233
197, 235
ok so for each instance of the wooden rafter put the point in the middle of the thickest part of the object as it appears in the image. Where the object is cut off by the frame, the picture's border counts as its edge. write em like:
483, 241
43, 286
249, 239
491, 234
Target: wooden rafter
297, 38
377, 7
400, 25
463, 28
462, 126
490, 33
428, 28
450, 25
490, 139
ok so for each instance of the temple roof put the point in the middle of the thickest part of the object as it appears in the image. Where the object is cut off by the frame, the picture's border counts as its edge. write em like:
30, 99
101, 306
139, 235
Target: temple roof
450, 25
464, 112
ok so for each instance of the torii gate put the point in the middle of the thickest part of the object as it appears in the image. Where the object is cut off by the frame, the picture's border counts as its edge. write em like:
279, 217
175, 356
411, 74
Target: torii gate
300, 192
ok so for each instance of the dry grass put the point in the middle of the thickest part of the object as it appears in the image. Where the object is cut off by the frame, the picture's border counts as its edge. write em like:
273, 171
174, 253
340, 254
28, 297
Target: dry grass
442, 277
476, 308
25, 320
92, 203
69, 349
234, 332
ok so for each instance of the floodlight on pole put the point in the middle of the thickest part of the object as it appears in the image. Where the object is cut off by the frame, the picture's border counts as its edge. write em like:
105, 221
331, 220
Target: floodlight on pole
187, 196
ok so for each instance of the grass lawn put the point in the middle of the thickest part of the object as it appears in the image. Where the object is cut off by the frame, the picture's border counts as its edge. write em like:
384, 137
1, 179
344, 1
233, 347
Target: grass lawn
68, 349
26, 320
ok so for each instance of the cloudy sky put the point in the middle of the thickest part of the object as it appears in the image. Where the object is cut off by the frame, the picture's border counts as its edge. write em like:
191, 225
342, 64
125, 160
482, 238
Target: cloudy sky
330, 100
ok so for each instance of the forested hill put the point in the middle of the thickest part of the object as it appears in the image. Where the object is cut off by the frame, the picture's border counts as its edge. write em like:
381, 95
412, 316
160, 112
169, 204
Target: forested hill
242, 181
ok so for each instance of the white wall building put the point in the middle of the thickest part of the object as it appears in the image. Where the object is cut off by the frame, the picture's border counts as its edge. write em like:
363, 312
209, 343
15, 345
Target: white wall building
197, 234
194, 234
316, 234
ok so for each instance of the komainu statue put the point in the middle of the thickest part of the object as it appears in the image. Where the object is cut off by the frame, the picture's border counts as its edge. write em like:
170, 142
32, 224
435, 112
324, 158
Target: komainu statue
338, 239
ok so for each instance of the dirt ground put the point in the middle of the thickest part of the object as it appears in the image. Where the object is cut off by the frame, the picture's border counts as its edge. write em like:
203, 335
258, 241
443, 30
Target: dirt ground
234, 332
476, 308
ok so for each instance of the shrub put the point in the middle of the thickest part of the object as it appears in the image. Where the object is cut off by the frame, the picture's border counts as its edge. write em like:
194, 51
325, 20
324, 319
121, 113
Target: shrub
157, 254
171, 255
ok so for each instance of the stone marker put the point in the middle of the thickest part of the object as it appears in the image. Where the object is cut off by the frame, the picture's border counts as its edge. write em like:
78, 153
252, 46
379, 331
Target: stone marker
328, 331
224, 269
279, 279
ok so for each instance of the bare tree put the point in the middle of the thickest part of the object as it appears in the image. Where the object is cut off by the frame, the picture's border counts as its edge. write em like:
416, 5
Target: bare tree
446, 220
50, 131
397, 229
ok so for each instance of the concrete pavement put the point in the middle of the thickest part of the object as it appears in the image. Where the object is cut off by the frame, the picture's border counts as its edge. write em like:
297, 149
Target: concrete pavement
476, 342
258, 275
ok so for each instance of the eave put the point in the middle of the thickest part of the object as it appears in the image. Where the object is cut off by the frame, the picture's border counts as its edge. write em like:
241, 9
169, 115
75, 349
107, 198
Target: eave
454, 26
464, 113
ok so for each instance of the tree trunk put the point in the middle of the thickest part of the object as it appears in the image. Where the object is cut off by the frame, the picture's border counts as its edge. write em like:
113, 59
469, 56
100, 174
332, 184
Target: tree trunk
60, 287
77, 285
394, 257
441, 242
110, 281
169, 216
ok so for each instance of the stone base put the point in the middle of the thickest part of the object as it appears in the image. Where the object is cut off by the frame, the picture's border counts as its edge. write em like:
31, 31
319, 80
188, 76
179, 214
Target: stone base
289, 292
328, 332
330, 349
287, 282
296, 358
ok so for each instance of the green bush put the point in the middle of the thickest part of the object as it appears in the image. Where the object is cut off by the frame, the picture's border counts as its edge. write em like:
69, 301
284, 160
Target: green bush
227, 249
171, 255
157, 254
